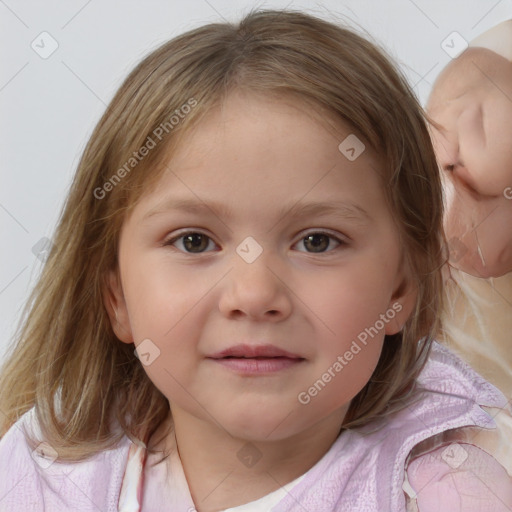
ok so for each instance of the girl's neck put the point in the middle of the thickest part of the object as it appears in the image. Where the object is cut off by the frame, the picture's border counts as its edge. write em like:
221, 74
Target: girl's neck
224, 472
478, 322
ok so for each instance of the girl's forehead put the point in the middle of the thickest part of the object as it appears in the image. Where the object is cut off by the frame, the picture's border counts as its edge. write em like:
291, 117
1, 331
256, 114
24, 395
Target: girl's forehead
243, 114
243, 104
264, 132
268, 160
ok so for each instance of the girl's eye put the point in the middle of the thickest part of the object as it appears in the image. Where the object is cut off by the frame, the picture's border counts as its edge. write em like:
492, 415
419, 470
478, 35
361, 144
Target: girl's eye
194, 242
191, 241
319, 242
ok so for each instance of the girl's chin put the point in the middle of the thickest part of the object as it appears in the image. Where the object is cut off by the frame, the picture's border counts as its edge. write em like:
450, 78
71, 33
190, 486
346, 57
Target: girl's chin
263, 427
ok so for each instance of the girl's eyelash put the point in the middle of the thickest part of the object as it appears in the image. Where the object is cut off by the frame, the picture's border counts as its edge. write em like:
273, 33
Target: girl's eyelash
340, 240
181, 234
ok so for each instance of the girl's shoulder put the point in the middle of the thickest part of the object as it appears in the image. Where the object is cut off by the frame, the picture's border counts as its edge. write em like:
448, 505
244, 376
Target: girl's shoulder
467, 464
35, 479
446, 373
367, 466
448, 395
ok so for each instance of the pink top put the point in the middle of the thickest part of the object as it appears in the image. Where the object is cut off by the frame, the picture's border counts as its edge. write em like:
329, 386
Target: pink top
408, 461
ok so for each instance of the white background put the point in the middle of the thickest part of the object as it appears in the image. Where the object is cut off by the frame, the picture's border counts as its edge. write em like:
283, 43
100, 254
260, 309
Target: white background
50, 106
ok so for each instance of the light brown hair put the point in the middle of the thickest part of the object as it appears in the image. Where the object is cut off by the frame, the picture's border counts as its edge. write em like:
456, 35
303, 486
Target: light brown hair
66, 347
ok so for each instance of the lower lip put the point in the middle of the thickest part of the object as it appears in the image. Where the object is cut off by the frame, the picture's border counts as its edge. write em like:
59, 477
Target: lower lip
257, 366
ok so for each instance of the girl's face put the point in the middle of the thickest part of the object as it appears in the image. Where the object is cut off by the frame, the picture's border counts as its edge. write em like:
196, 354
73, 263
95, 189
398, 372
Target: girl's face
259, 277
472, 101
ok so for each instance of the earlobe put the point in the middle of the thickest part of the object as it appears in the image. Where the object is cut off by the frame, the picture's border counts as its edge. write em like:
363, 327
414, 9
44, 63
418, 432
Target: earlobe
113, 299
402, 303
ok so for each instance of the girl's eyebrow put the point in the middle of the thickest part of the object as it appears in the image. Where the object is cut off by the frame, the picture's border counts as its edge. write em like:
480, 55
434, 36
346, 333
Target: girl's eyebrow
336, 208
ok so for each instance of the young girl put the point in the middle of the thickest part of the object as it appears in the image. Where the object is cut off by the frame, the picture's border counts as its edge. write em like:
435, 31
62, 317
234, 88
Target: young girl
258, 215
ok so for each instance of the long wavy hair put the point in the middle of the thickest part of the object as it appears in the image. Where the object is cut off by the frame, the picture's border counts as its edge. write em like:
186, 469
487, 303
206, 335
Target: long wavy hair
86, 387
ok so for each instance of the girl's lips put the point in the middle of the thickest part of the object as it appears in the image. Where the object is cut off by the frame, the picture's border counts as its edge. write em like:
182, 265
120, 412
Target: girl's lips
253, 350
256, 359
258, 365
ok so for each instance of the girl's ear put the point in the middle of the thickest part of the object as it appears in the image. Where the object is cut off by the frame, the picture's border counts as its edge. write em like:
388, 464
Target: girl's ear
113, 298
402, 302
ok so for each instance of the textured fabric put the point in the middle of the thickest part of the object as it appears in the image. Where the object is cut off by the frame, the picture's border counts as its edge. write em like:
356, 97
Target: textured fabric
30, 482
363, 471
459, 476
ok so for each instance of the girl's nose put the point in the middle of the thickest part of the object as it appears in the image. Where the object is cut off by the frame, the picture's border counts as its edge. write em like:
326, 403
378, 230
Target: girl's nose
257, 290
